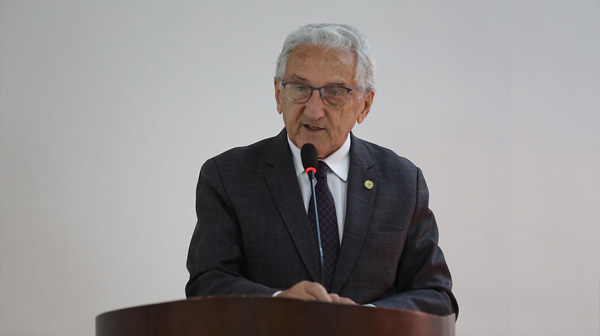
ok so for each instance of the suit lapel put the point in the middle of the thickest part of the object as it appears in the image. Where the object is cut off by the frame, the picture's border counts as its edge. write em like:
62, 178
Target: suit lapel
283, 183
359, 205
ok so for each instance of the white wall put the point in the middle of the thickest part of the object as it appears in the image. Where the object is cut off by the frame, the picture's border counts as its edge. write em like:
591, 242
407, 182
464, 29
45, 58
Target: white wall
109, 108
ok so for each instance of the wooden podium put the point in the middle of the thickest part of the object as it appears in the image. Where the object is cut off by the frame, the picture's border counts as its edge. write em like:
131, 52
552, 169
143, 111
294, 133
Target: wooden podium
232, 316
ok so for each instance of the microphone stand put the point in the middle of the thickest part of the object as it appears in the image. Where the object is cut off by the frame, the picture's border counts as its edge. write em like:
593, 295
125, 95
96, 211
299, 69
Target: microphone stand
311, 175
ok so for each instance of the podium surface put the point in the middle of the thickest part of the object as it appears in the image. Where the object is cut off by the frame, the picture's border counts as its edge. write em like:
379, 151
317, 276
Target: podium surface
267, 316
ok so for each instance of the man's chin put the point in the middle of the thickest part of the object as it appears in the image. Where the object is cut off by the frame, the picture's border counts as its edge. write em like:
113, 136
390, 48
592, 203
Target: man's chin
318, 140
304, 138
323, 150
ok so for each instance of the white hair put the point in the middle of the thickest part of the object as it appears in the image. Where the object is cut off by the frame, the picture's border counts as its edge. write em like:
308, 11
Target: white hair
333, 36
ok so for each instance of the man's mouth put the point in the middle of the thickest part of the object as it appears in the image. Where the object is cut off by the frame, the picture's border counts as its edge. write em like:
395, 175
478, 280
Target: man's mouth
312, 128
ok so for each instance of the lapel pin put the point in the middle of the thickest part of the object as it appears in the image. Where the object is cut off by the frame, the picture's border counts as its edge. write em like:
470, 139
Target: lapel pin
369, 184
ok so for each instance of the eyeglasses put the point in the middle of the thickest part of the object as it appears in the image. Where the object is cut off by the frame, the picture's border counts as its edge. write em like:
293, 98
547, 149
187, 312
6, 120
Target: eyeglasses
330, 95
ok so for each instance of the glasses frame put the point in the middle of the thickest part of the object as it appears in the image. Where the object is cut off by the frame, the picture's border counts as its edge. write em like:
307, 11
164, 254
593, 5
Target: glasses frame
312, 89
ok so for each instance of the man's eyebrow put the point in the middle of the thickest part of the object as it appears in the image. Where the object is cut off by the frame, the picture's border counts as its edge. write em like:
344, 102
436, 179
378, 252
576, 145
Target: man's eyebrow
302, 79
296, 77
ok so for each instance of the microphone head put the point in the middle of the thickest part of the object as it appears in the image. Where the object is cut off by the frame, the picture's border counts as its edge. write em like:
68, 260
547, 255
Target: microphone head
309, 156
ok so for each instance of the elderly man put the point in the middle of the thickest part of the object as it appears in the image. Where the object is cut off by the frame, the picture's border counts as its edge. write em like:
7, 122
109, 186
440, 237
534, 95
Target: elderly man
257, 230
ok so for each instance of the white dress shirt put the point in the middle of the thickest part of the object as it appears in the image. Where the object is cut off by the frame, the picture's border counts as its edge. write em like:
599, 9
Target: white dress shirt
337, 179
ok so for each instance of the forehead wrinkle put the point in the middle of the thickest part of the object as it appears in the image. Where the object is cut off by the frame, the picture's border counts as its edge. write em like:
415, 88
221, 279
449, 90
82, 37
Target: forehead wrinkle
310, 63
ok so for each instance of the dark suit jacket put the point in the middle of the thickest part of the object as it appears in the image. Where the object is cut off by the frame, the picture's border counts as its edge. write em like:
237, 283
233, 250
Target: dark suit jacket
253, 236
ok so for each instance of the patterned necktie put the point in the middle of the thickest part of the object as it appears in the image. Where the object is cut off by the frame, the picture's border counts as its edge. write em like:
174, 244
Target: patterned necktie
327, 222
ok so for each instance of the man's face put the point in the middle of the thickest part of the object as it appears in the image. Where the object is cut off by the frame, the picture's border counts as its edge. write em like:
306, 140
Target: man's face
326, 127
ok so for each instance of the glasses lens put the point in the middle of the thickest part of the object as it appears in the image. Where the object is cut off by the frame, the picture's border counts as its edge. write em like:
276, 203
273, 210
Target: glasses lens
297, 93
335, 96
330, 95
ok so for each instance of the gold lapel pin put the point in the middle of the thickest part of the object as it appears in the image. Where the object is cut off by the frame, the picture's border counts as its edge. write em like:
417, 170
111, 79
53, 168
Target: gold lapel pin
369, 184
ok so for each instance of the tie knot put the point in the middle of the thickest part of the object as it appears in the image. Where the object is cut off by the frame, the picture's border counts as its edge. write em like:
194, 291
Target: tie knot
322, 169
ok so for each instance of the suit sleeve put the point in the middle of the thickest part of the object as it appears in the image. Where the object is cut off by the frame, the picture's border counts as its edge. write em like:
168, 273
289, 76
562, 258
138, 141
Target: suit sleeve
423, 279
215, 254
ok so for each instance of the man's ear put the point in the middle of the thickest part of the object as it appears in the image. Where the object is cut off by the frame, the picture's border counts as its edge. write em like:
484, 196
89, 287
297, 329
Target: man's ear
368, 102
277, 95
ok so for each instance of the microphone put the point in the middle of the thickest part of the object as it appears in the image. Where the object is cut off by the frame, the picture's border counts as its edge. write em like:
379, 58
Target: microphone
310, 159
308, 153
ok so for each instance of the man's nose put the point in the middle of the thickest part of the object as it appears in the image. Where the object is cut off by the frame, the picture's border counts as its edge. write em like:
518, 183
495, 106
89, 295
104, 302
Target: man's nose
314, 107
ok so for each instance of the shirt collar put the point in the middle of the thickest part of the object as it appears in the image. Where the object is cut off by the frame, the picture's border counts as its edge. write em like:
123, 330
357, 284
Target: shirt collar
338, 161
